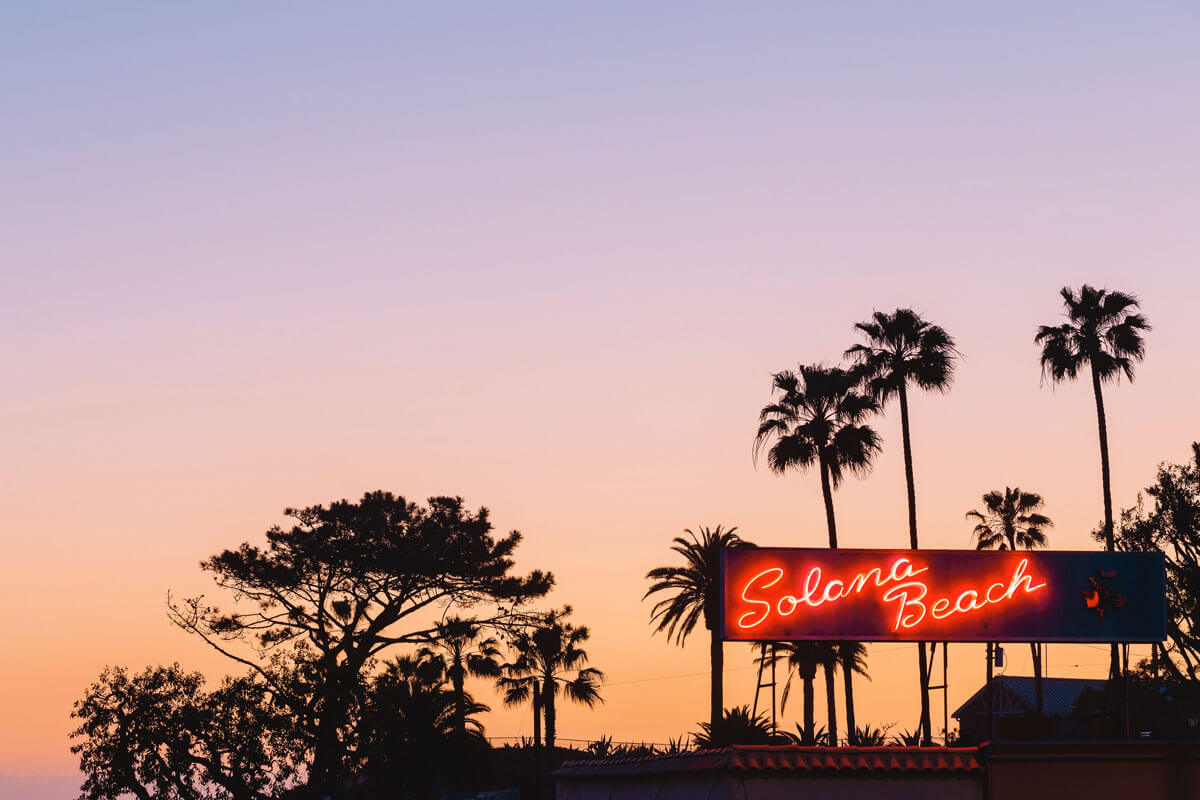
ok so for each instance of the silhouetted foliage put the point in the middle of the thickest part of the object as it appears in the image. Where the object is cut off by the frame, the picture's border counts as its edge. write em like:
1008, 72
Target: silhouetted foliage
1172, 527
816, 419
1104, 331
802, 660
1012, 521
907, 738
866, 736
696, 595
903, 348
411, 744
462, 650
317, 606
159, 734
738, 726
550, 660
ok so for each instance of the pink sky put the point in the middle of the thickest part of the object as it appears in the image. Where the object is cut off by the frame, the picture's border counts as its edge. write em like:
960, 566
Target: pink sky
548, 262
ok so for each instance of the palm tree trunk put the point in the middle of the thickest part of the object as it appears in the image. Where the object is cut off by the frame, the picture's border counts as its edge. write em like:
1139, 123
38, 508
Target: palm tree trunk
716, 655
831, 702
537, 741
460, 709
548, 710
1114, 669
827, 493
848, 681
809, 722
922, 660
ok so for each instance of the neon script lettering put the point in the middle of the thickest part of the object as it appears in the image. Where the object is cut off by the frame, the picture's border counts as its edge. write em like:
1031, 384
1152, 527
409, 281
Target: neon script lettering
907, 593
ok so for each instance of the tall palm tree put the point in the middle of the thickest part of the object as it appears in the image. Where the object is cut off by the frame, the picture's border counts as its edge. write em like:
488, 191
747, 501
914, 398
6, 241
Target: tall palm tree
462, 651
1104, 331
1012, 521
903, 348
817, 419
550, 651
696, 595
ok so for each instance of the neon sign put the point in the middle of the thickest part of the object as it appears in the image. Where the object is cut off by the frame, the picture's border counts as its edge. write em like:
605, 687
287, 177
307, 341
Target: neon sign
952, 595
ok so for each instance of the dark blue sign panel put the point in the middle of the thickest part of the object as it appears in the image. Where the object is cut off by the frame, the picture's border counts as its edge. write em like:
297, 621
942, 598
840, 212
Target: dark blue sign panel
781, 594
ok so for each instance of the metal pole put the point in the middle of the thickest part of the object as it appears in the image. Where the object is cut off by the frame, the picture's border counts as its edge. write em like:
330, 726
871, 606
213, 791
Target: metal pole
991, 697
946, 693
1125, 682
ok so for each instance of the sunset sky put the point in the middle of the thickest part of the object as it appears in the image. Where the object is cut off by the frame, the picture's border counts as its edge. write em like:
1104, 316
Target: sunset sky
547, 258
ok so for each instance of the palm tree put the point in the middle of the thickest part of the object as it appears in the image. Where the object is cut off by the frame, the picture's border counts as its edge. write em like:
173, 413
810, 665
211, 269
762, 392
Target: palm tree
697, 595
853, 658
803, 658
548, 651
903, 348
817, 419
409, 724
1105, 332
463, 652
1012, 521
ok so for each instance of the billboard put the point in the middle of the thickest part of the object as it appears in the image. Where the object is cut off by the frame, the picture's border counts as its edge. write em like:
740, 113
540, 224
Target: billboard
784, 594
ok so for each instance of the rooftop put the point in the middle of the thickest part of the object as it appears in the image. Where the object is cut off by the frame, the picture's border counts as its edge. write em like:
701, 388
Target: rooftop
1058, 694
769, 758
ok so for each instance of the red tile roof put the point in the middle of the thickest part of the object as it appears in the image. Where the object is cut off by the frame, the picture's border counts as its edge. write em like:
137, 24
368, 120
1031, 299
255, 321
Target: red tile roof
771, 758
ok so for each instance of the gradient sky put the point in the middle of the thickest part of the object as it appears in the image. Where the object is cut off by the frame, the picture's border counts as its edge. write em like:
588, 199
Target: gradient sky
547, 258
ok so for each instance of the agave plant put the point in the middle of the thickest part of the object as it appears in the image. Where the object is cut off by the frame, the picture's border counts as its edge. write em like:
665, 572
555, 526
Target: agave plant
866, 736
739, 726
907, 738
817, 738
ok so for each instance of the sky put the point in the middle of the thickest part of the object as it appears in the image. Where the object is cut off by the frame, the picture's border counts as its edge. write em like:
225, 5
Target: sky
547, 257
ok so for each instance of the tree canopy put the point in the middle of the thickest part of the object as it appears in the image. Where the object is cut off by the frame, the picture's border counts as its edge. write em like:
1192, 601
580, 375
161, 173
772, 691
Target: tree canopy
314, 610
1172, 526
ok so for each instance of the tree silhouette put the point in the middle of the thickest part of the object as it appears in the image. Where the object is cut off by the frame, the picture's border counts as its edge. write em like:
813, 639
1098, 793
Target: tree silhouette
853, 658
1172, 527
1104, 331
802, 659
696, 595
550, 650
817, 418
462, 651
737, 726
1012, 521
342, 586
410, 729
902, 348
159, 734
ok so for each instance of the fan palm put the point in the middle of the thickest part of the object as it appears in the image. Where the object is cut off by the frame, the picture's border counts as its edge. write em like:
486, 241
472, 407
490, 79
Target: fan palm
803, 658
817, 418
902, 348
462, 651
410, 721
1012, 521
1104, 331
696, 596
550, 651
